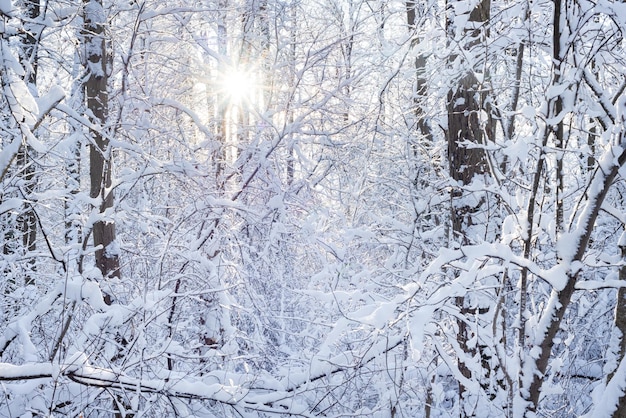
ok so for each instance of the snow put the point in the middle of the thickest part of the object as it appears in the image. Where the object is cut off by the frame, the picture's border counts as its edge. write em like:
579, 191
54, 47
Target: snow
6, 7
556, 90
21, 101
622, 240
529, 112
25, 371
26, 110
10, 204
276, 202
341, 288
606, 396
567, 246
49, 100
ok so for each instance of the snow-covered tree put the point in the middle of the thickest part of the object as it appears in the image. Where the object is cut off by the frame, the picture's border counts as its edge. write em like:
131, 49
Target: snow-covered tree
332, 208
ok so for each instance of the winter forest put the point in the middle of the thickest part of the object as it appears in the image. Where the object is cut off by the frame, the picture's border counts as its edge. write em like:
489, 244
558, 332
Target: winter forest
325, 208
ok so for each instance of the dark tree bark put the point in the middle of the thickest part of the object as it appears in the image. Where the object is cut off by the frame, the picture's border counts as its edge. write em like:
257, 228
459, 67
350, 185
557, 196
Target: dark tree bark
589, 207
620, 325
97, 98
467, 160
557, 110
420, 79
27, 221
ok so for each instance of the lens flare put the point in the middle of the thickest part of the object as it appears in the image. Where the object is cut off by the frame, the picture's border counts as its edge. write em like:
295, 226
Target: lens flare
238, 86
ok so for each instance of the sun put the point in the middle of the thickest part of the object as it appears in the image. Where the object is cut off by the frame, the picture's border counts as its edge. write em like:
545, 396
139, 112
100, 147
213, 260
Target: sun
238, 86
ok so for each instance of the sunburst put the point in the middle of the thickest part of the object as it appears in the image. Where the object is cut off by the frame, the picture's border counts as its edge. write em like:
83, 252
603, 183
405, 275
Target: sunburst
238, 86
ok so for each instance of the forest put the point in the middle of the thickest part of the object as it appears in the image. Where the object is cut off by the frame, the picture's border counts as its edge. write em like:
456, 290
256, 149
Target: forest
312, 208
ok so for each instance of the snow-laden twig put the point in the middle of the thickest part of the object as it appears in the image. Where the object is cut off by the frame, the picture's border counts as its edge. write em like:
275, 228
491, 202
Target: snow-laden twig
79, 371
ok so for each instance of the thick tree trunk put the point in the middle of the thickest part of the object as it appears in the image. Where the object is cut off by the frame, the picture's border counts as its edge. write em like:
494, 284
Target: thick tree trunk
466, 160
99, 149
100, 159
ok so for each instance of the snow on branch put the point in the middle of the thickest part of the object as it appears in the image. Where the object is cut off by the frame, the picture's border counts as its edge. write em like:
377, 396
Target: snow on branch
591, 201
232, 393
606, 395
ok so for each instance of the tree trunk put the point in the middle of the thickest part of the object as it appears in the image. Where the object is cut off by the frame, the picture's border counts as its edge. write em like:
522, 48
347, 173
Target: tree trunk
27, 221
220, 101
73, 225
464, 106
620, 325
99, 150
597, 189
293, 43
557, 110
420, 79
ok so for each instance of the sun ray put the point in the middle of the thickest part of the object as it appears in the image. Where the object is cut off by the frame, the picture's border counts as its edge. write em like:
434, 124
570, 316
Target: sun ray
238, 86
